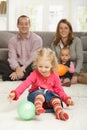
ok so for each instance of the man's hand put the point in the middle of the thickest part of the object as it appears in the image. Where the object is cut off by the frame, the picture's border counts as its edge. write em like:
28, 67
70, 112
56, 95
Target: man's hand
13, 76
20, 72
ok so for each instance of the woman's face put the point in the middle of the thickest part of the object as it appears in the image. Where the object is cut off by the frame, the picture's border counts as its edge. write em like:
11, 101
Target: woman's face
64, 30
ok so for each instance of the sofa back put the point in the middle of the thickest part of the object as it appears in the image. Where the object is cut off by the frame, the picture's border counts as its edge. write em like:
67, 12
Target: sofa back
47, 40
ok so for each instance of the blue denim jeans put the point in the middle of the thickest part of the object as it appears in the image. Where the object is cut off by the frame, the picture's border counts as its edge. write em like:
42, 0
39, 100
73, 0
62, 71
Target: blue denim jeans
46, 93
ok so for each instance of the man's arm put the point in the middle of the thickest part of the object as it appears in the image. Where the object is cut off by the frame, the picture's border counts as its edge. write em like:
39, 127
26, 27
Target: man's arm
37, 44
12, 54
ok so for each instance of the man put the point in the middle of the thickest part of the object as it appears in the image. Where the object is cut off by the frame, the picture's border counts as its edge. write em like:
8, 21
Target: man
21, 51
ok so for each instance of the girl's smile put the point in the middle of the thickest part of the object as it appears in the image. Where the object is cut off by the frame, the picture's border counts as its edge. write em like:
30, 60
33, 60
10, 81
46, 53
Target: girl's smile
44, 67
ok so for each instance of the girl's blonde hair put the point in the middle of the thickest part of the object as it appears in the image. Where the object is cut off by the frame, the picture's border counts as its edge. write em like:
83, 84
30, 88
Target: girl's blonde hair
47, 54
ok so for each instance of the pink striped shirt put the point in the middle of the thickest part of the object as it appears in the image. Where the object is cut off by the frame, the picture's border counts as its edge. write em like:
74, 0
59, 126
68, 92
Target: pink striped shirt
22, 51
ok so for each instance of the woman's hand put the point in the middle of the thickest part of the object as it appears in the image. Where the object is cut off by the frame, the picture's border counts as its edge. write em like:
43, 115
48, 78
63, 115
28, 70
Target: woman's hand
74, 80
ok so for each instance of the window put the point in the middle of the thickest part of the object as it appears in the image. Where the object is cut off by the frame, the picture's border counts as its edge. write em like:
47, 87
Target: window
3, 16
82, 18
35, 14
56, 12
79, 15
45, 14
3, 22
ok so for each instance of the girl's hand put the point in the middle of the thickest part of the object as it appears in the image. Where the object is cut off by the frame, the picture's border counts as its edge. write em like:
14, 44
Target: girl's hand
70, 102
11, 96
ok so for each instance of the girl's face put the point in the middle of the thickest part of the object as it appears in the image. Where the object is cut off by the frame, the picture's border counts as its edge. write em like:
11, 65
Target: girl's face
64, 56
44, 67
64, 30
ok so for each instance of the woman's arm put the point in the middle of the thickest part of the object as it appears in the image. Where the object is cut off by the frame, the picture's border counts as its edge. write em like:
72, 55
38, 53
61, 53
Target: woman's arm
77, 54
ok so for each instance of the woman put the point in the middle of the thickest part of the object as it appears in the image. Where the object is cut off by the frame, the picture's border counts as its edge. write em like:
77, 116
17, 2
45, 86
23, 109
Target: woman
64, 37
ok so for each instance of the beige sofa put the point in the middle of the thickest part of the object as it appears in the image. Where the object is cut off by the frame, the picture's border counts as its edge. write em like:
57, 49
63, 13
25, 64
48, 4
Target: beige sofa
47, 40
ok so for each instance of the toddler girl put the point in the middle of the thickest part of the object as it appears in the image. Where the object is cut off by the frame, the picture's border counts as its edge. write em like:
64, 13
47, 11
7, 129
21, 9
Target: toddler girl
44, 86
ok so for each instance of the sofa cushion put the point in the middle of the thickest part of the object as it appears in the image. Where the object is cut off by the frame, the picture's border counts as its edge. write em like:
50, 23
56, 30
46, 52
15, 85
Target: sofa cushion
85, 67
47, 38
3, 54
85, 56
84, 42
4, 38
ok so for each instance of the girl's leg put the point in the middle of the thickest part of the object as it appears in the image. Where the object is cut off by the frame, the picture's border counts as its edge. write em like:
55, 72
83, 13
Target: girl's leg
39, 100
56, 104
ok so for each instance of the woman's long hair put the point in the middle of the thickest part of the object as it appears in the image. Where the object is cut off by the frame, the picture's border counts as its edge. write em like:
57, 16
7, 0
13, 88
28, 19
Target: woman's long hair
57, 35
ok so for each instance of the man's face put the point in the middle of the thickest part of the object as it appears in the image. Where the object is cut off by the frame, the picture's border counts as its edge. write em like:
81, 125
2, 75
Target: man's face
23, 25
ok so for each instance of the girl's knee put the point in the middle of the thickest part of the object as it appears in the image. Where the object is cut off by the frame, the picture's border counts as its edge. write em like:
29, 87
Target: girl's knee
40, 96
55, 100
